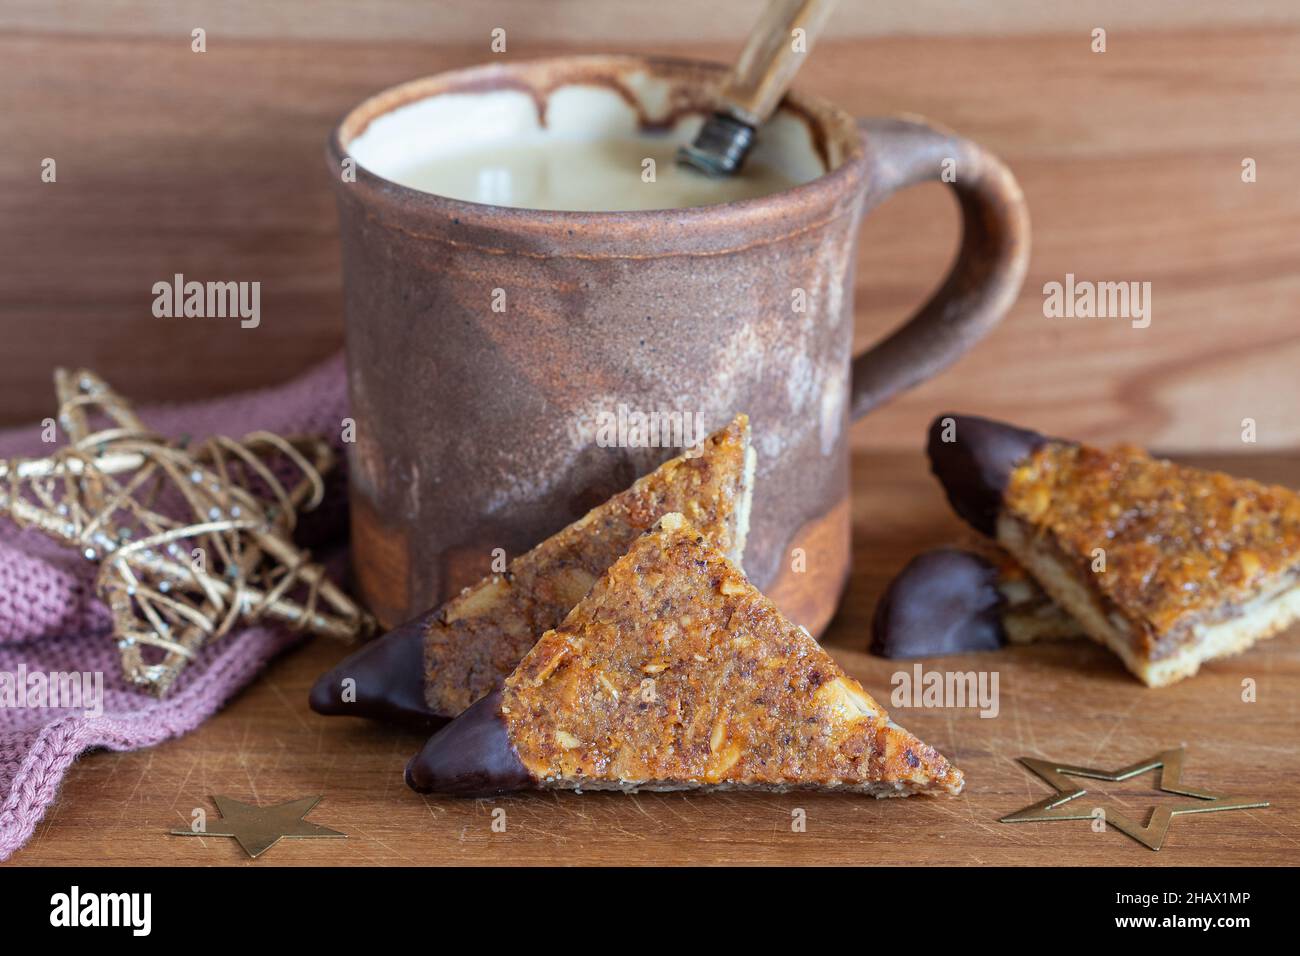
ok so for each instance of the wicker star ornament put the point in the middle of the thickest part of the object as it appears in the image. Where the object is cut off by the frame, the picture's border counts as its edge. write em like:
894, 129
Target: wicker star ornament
190, 540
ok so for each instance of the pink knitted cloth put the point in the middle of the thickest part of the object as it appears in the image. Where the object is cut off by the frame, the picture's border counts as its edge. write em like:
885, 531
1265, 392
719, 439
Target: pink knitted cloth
51, 621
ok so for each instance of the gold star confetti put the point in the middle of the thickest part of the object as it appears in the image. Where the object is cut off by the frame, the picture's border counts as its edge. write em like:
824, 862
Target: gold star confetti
257, 829
190, 541
1152, 835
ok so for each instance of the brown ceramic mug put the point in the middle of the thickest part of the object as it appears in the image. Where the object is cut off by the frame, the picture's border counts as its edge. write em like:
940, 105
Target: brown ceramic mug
470, 431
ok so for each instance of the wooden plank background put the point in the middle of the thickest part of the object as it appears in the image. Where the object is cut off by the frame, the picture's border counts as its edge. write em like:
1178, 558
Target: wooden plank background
211, 165
666, 21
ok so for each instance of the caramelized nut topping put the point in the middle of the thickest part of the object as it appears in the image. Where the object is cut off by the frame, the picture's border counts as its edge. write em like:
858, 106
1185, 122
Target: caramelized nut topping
1181, 544
741, 696
487, 629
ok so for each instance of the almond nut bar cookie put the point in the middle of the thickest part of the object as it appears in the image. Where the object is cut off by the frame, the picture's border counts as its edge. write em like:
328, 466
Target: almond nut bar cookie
1169, 566
675, 673
436, 665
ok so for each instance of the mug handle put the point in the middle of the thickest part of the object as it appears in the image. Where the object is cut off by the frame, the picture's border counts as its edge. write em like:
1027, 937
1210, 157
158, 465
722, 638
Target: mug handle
986, 276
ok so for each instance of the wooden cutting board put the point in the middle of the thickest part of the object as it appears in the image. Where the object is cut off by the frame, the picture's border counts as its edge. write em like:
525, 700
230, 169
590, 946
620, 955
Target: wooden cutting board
1071, 702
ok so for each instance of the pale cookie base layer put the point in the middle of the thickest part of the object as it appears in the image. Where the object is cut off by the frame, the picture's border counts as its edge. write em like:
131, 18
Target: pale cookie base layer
1263, 617
877, 790
1033, 627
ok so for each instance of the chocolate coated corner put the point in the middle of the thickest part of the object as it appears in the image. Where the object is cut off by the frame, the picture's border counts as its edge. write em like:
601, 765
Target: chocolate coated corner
973, 459
943, 602
470, 757
388, 681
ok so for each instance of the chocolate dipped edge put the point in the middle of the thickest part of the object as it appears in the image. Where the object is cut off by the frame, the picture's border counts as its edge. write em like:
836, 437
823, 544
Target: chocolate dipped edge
471, 757
976, 466
389, 680
944, 601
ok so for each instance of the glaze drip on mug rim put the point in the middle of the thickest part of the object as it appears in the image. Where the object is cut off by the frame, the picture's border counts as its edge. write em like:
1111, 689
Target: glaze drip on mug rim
582, 146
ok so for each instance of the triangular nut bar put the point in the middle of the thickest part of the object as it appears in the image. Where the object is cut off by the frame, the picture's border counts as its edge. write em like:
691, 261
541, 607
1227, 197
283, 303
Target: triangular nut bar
472, 642
673, 673
1167, 565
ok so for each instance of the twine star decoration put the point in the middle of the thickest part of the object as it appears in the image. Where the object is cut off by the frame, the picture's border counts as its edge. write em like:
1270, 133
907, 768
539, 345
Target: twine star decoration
257, 829
1152, 836
190, 540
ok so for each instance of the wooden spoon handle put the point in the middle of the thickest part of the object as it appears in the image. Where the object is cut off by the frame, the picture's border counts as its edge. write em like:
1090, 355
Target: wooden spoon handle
772, 55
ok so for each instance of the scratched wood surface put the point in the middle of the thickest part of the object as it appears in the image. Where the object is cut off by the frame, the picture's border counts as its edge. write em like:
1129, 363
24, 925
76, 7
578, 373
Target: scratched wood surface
1070, 701
211, 165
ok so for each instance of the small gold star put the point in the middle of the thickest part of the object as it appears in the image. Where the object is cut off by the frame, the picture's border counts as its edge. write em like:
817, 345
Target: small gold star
1152, 835
257, 829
